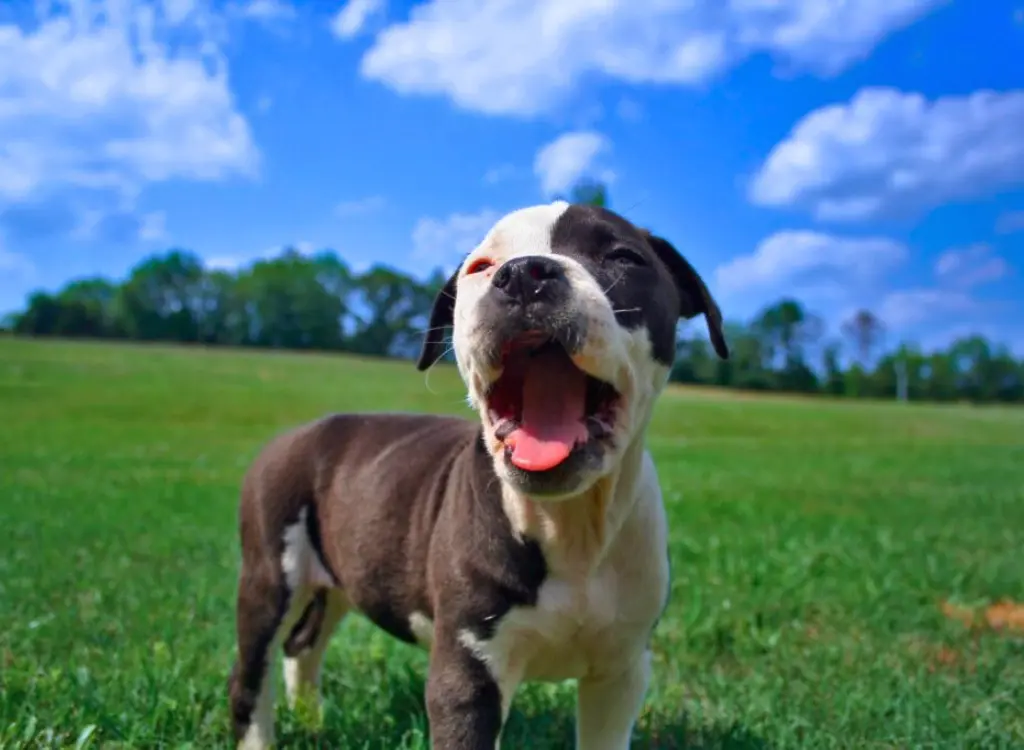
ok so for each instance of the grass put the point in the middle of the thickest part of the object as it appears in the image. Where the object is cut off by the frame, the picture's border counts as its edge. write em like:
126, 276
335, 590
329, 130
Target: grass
813, 544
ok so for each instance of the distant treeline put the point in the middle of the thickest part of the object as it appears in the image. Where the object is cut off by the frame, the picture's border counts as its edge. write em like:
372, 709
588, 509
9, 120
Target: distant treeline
295, 301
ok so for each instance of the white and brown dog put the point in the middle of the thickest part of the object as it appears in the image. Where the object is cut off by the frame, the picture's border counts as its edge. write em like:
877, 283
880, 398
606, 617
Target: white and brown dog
528, 545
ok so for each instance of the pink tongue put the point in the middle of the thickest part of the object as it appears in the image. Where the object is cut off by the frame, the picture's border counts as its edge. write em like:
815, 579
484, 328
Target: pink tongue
553, 411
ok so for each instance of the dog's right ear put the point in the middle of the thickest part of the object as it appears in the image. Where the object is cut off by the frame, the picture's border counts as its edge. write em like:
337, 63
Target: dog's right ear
693, 291
442, 315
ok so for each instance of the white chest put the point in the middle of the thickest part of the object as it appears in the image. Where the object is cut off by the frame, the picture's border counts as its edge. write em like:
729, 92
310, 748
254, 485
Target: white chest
572, 627
576, 629
593, 624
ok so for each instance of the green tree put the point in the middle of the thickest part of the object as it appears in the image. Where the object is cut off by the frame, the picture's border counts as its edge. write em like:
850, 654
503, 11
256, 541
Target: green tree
89, 308
865, 330
694, 361
834, 382
288, 306
157, 300
589, 192
785, 329
391, 312
41, 316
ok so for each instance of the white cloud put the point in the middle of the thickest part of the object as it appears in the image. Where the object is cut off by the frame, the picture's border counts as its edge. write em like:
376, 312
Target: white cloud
950, 303
353, 17
563, 161
888, 153
267, 11
359, 206
225, 262
443, 242
102, 98
970, 266
153, 226
997, 332
1010, 222
629, 110
521, 58
236, 262
794, 259
15, 263
106, 222
500, 174
909, 307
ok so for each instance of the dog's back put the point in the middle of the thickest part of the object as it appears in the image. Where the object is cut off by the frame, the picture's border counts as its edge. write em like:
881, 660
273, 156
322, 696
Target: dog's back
371, 484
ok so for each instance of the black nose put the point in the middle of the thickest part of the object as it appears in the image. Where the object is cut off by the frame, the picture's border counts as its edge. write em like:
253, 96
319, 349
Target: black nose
532, 278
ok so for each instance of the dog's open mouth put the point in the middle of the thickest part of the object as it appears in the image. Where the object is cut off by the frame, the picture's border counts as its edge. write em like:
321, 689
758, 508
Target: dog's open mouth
543, 405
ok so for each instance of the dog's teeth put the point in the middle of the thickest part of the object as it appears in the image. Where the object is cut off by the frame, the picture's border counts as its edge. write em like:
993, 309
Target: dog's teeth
505, 428
600, 428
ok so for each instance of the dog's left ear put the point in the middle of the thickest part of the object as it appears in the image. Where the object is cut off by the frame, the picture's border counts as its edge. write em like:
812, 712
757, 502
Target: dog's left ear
694, 296
442, 315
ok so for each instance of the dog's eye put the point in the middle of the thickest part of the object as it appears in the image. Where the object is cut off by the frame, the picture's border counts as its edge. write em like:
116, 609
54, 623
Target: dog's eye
478, 265
625, 256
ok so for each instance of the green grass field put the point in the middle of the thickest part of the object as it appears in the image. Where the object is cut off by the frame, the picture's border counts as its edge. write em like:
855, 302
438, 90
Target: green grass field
813, 545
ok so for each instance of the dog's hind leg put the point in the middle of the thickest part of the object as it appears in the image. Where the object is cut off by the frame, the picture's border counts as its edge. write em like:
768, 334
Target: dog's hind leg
263, 600
274, 591
304, 650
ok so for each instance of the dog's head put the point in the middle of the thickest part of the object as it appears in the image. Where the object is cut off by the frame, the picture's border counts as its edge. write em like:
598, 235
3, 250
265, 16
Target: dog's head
564, 328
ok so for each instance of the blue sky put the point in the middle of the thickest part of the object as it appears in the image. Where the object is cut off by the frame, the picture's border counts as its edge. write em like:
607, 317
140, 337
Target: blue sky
858, 153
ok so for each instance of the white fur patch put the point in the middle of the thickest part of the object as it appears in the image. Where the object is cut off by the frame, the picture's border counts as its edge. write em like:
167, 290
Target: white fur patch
299, 561
422, 628
292, 672
260, 734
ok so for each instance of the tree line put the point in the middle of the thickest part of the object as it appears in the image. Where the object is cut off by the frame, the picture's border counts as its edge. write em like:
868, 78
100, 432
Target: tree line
318, 302
292, 301
786, 348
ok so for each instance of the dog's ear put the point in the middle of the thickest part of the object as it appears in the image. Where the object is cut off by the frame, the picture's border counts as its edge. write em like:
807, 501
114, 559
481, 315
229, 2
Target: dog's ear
442, 315
694, 296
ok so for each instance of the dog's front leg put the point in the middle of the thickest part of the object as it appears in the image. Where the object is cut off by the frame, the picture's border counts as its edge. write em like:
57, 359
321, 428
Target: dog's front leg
607, 708
465, 703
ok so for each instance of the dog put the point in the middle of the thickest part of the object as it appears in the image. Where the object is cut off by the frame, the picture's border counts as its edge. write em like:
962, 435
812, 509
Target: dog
527, 544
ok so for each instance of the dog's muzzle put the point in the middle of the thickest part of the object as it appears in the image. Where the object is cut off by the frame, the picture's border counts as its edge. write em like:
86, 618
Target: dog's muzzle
530, 295
543, 407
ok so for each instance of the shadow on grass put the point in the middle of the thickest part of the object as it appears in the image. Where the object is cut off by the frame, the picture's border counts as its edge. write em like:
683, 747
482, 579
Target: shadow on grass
397, 720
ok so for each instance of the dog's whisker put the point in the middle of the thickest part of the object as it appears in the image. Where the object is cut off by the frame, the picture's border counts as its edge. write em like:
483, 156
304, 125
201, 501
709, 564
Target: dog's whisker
627, 310
619, 278
426, 375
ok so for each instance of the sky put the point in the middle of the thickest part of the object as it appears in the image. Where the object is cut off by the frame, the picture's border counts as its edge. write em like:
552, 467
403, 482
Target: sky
857, 153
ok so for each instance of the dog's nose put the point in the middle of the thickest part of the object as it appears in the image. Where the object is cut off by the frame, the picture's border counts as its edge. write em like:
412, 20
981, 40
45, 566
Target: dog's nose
531, 278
